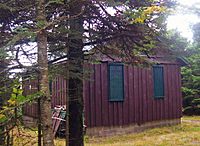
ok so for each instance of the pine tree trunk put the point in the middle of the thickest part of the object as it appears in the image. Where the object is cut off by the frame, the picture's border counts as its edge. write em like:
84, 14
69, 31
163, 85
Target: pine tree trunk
75, 59
3, 96
46, 120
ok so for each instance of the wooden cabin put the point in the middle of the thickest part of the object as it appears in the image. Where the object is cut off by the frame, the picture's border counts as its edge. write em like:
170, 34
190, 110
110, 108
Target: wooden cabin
121, 98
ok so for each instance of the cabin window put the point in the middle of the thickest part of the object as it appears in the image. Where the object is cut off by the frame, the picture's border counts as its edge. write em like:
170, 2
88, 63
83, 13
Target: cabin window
50, 86
116, 81
158, 80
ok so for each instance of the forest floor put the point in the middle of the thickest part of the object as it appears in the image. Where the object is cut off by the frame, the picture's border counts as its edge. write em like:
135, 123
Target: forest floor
185, 134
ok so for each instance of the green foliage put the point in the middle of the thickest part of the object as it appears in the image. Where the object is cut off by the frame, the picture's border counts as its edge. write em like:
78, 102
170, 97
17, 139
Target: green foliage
41, 24
16, 101
3, 54
191, 82
51, 2
21, 34
6, 7
178, 44
2, 118
4, 76
191, 73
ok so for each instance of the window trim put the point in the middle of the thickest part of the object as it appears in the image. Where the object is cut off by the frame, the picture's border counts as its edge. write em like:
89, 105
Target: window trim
109, 96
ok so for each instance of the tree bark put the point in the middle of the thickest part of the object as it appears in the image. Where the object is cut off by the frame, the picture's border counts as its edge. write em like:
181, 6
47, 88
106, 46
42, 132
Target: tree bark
75, 88
3, 96
46, 120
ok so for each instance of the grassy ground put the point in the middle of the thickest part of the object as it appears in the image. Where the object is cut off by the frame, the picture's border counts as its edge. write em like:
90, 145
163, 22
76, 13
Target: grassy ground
186, 134
195, 118
181, 135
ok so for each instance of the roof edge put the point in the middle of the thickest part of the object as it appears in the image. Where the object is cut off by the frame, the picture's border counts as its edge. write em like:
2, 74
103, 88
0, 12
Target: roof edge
182, 61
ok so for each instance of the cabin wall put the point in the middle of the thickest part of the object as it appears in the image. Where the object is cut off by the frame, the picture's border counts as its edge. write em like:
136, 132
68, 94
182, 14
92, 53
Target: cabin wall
30, 86
58, 94
58, 91
139, 105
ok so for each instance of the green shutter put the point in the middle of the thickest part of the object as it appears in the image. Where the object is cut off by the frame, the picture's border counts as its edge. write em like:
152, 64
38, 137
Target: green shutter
158, 80
116, 82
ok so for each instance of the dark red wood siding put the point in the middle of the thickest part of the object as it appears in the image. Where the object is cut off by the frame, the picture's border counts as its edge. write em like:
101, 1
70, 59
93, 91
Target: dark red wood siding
59, 91
30, 86
139, 105
58, 97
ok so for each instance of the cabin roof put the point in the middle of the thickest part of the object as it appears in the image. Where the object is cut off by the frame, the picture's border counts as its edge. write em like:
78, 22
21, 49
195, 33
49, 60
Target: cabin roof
182, 61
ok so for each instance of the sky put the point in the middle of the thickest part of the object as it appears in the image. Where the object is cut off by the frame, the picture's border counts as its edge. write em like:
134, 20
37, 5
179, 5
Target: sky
182, 20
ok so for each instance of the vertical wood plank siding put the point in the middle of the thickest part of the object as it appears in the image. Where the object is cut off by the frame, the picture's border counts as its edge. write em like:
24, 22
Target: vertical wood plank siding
139, 105
30, 86
58, 96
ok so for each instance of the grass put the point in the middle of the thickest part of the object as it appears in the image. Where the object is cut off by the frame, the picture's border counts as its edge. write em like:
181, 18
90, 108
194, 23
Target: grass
195, 118
181, 135
186, 134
